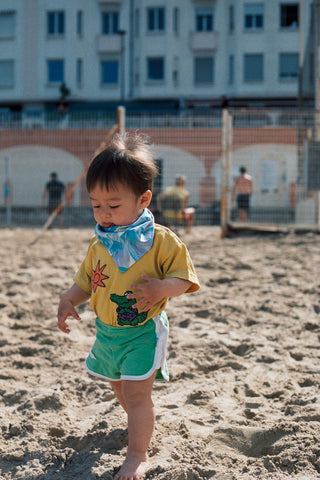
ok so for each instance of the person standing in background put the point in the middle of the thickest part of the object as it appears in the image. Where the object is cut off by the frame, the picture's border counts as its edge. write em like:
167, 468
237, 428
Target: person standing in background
242, 191
54, 190
7, 193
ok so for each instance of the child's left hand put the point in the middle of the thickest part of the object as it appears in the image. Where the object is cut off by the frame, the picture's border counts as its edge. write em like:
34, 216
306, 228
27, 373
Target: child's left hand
147, 294
154, 290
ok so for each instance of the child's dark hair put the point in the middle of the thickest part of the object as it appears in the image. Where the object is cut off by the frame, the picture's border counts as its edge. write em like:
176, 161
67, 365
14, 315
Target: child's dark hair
127, 160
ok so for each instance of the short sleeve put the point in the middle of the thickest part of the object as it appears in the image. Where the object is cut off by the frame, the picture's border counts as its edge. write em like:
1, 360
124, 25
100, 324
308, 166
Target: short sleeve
83, 276
176, 262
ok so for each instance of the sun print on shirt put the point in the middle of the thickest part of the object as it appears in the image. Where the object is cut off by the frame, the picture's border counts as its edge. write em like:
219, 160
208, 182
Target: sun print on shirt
98, 276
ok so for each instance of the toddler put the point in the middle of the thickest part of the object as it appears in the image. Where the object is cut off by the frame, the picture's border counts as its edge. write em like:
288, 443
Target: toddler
131, 268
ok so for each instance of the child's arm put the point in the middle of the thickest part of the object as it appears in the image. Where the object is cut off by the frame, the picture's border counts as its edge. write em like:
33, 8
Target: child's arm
73, 297
154, 290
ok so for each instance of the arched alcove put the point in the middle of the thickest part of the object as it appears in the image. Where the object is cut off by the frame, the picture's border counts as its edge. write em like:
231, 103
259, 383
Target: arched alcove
28, 168
273, 168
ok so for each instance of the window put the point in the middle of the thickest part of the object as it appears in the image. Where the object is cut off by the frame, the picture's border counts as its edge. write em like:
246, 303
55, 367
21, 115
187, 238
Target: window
155, 68
288, 65
55, 71
56, 22
175, 70
203, 70
136, 71
204, 19
176, 20
270, 175
6, 73
155, 19
79, 72
289, 15
253, 67
137, 22
110, 23
253, 16
175, 76
231, 69
231, 18
7, 24
79, 23
311, 69
109, 72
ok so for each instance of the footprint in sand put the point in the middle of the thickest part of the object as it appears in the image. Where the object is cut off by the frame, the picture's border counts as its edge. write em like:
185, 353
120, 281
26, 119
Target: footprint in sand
249, 441
185, 323
198, 397
48, 400
114, 440
203, 313
307, 382
241, 349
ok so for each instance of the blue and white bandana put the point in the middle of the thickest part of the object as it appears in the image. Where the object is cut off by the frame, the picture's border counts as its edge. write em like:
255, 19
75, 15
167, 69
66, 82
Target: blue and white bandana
127, 243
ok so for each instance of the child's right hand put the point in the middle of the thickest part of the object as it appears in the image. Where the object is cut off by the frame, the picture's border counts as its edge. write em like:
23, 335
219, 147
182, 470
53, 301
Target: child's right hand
65, 310
74, 296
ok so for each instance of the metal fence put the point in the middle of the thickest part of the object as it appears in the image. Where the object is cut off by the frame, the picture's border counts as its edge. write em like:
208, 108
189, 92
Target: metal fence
280, 151
278, 148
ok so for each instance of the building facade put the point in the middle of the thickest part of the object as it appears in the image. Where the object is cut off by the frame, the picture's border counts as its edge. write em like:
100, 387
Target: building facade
89, 54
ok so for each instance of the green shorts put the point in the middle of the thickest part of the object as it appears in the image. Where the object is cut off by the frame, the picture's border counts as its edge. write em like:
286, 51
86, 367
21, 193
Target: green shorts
130, 353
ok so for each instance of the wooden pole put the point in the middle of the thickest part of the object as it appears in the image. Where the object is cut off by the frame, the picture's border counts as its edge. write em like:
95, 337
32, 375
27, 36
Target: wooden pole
121, 120
116, 128
225, 171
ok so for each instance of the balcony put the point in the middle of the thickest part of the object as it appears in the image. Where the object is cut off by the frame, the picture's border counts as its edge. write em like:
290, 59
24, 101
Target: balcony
205, 41
109, 44
109, 3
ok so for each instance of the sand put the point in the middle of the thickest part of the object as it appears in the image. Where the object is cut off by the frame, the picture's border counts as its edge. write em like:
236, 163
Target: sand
243, 400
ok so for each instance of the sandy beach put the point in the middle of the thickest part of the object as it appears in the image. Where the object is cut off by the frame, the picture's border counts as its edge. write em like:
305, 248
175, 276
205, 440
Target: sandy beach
244, 360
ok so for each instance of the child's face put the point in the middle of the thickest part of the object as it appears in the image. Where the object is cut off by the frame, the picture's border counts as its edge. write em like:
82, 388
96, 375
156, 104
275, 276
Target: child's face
117, 206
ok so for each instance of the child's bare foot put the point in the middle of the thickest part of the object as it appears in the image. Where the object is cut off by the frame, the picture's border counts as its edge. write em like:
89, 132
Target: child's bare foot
133, 468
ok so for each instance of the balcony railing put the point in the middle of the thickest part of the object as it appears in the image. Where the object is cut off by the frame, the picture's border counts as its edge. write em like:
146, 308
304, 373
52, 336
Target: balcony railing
204, 41
107, 2
109, 43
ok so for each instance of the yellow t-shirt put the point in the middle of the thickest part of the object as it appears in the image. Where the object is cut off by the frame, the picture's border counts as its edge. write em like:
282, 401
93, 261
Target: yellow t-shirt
179, 191
100, 277
183, 194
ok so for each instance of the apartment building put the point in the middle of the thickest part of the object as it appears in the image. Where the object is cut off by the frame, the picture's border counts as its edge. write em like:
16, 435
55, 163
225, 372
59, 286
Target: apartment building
164, 53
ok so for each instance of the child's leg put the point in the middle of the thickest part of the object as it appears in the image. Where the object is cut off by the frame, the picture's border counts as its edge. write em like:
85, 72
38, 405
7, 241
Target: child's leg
139, 407
117, 387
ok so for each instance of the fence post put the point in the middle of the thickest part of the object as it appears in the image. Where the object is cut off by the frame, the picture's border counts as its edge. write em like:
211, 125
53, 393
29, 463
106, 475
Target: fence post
7, 191
121, 120
317, 202
225, 171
